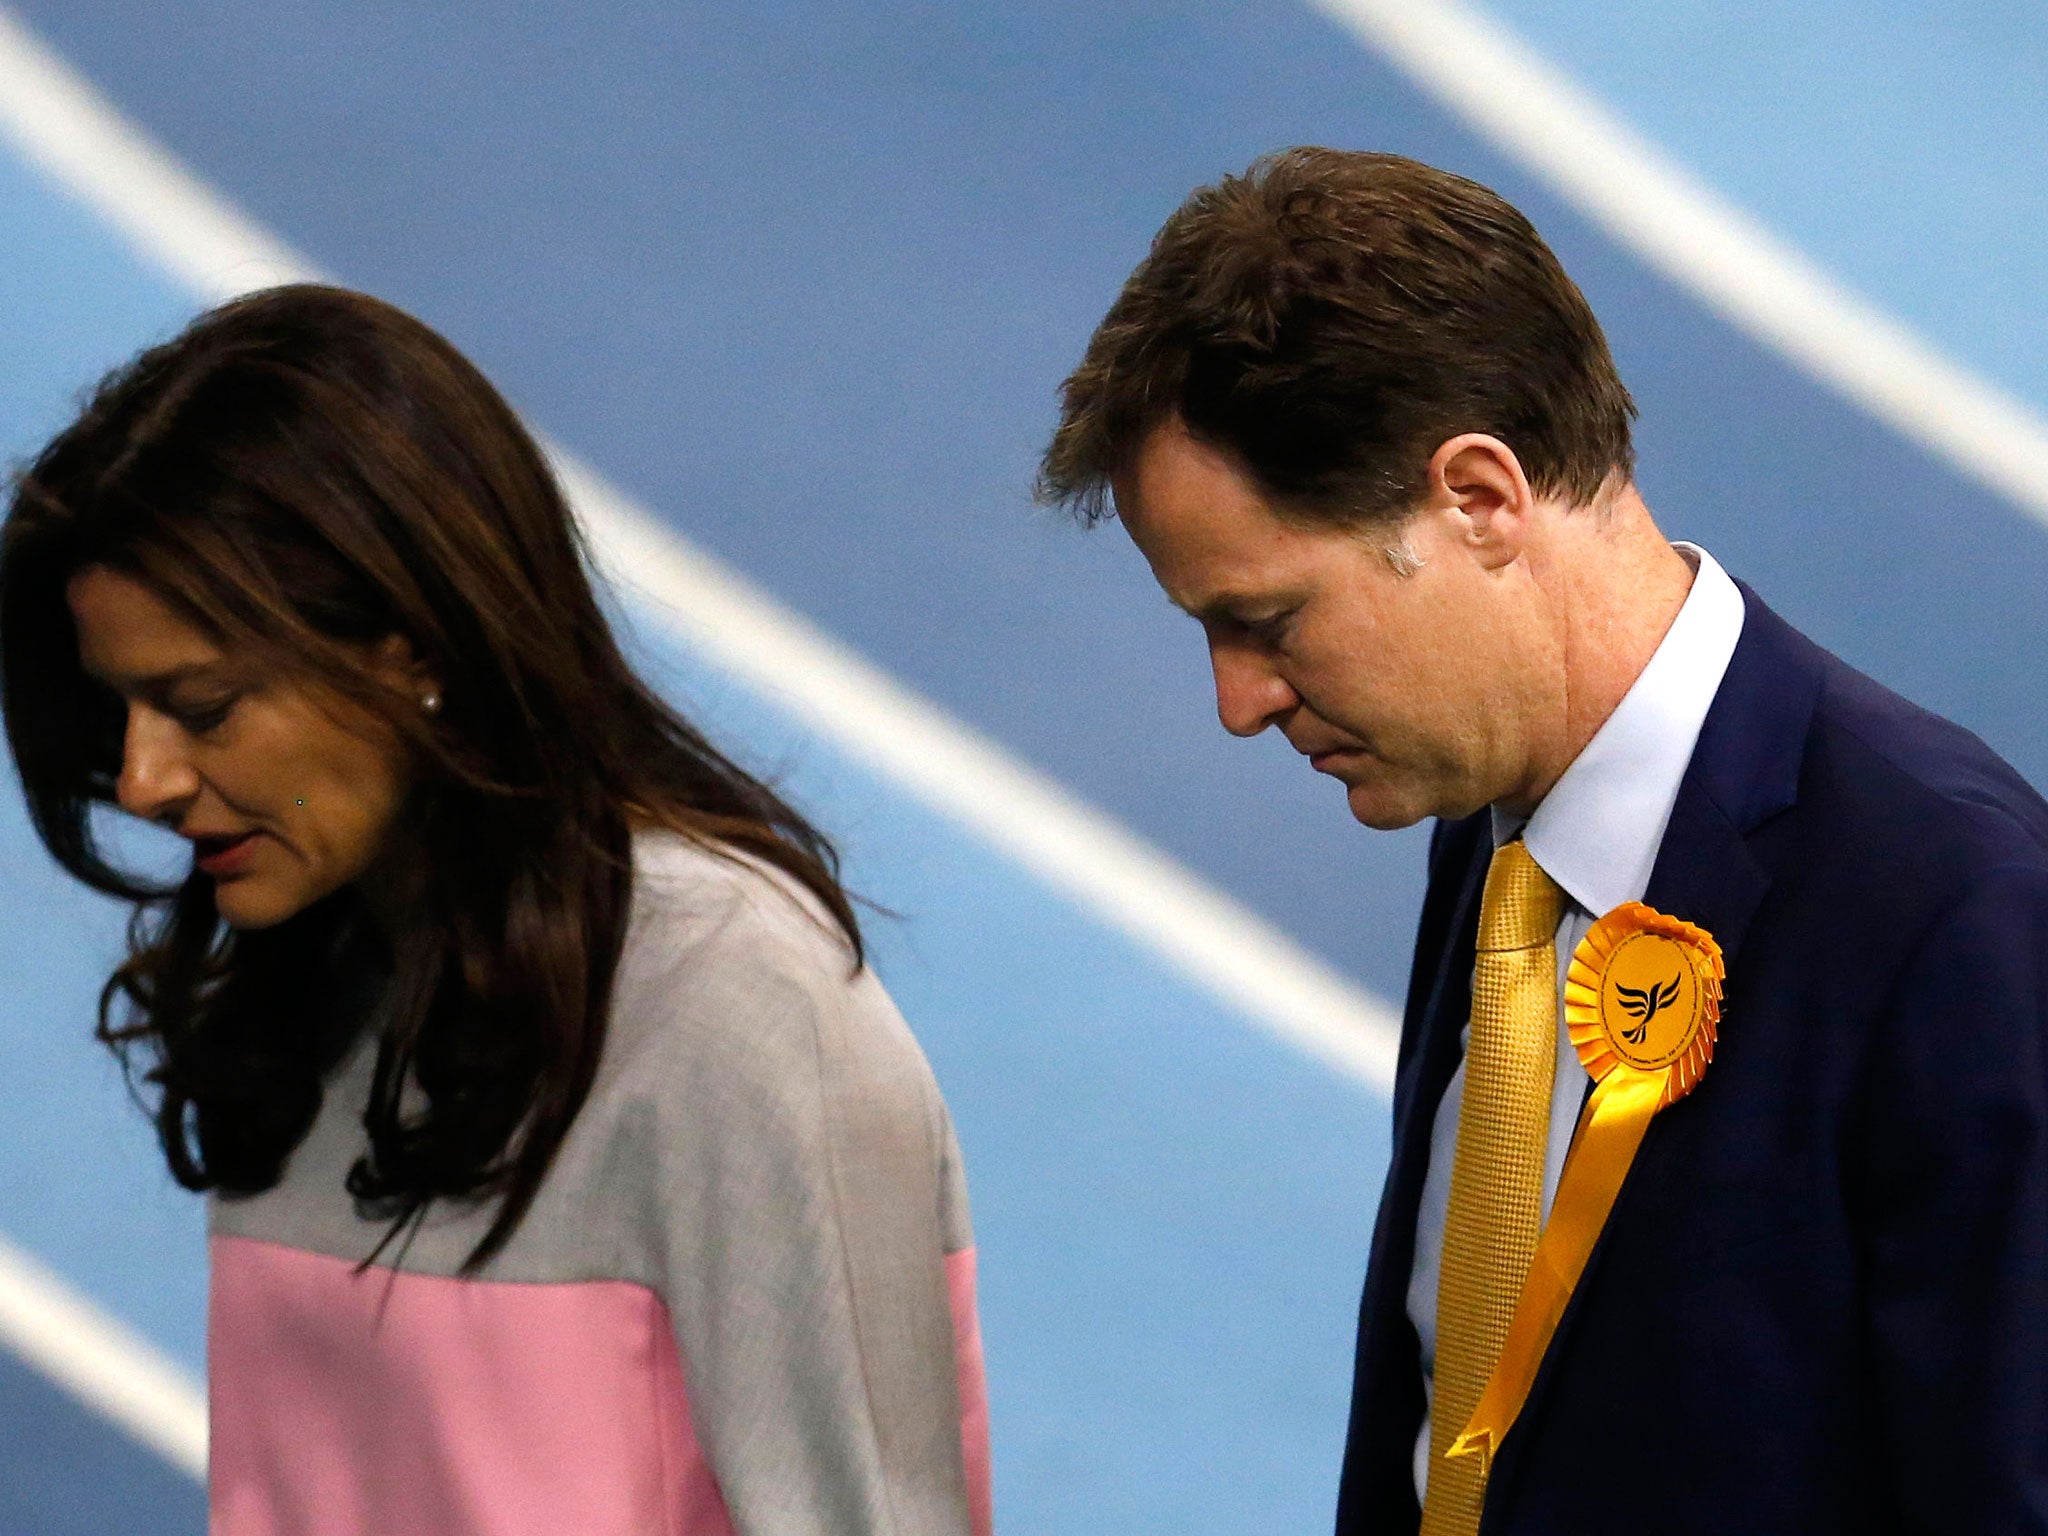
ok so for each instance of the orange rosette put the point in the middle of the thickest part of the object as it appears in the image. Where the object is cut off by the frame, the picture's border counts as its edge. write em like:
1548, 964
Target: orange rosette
1644, 995
1642, 1002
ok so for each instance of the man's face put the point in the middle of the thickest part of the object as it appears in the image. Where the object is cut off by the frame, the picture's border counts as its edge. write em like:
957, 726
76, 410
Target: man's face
1410, 690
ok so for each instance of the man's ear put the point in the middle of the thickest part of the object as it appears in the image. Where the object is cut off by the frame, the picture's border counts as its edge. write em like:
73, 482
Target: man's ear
1477, 483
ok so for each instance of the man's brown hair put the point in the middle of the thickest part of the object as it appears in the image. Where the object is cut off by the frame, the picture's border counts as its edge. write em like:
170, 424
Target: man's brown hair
1329, 318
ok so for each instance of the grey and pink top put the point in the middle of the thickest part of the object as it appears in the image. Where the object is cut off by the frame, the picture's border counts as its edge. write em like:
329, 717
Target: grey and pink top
743, 1301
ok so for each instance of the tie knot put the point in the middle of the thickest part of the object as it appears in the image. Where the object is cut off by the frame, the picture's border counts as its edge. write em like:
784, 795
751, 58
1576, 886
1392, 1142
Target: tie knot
1521, 905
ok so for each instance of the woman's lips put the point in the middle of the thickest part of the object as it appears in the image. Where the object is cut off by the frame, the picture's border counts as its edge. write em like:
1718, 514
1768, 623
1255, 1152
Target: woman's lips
219, 856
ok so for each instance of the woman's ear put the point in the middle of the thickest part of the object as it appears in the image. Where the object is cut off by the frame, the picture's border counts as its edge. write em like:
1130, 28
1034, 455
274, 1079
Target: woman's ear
397, 665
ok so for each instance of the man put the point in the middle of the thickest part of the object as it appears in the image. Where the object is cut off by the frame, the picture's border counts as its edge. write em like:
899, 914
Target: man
1365, 430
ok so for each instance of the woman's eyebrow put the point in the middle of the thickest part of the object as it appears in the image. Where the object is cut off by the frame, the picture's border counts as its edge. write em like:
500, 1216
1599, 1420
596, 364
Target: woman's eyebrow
153, 684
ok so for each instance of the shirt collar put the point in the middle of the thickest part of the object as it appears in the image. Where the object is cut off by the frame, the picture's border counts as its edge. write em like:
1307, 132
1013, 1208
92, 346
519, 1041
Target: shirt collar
1597, 831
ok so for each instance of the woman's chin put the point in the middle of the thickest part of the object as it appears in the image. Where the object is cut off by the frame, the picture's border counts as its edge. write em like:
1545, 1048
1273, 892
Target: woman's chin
250, 904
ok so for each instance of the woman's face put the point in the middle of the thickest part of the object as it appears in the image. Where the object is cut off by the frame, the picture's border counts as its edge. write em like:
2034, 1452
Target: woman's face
287, 792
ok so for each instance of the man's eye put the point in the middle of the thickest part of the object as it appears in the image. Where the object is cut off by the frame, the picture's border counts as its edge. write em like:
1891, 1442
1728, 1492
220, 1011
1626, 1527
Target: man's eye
1269, 630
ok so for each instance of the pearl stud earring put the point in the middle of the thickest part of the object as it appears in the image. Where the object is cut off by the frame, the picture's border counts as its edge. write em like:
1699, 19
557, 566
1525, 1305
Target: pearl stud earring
431, 702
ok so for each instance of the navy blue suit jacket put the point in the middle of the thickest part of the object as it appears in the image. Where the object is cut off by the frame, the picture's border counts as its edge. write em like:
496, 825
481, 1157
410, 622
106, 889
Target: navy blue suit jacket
1820, 1303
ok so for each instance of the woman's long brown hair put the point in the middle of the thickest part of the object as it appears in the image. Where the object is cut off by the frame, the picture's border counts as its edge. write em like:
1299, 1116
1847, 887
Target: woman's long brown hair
302, 471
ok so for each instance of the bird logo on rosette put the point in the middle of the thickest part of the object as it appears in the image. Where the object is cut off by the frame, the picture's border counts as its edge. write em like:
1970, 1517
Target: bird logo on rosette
1649, 999
1643, 1004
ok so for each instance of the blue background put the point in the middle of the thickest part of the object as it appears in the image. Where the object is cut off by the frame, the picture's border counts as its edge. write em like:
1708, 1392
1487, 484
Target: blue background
803, 279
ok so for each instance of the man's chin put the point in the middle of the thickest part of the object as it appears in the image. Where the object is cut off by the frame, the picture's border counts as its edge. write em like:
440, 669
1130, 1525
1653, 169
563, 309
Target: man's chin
1378, 807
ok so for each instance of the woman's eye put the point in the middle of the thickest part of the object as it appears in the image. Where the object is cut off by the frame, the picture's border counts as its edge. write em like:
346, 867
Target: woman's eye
208, 717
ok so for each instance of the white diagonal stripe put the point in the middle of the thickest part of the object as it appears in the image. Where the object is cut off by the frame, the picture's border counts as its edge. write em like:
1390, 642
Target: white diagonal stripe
102, 1362
1495, 81
60, 123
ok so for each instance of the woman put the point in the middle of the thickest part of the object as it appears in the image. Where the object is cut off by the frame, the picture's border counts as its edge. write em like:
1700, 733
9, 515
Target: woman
568, 1171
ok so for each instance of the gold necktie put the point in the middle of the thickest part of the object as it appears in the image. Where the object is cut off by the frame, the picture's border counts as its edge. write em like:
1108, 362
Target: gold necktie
1497, 1175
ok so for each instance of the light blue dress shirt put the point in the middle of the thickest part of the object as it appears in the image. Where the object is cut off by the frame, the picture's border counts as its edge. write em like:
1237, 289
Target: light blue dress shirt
1596, 834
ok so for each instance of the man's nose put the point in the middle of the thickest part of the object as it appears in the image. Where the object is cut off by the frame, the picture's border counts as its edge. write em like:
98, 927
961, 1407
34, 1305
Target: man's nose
1250, 694
157, 779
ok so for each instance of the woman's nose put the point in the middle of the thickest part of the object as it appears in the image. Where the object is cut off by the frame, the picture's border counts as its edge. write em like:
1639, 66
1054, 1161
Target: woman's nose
157, 778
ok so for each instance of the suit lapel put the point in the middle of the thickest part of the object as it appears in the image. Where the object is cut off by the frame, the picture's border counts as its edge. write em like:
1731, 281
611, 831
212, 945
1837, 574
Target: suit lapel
1744, 771
1706, 873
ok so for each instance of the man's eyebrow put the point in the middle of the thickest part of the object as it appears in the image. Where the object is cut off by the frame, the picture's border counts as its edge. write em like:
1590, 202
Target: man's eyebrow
1218, 605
